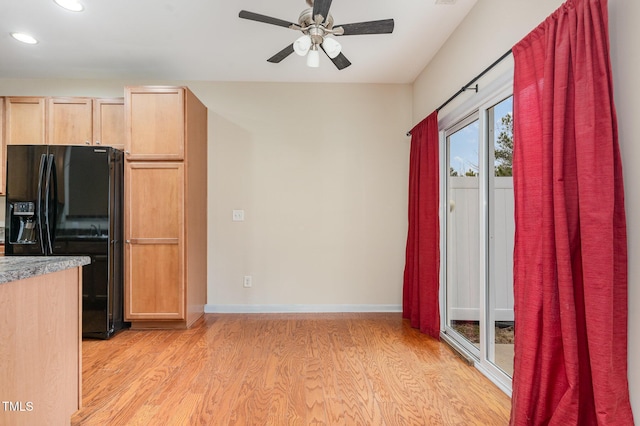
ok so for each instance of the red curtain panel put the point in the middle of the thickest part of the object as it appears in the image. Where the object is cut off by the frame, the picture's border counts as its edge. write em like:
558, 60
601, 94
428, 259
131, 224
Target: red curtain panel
570, 256
420, 302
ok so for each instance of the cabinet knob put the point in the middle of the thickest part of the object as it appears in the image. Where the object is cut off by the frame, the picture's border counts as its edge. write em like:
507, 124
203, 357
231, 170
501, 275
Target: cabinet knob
128, 241
97, 142
127, 152
87, 143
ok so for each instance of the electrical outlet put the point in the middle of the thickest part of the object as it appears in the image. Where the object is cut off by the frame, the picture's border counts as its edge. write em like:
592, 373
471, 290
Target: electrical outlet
246, 282
237, 215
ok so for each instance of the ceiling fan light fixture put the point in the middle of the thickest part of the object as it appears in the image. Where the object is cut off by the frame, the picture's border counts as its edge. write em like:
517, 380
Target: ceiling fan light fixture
313, 57
331, 47
302, 45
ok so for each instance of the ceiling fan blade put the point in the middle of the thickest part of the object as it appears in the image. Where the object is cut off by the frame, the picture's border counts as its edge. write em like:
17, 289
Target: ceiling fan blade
281, 54
321, 7
263, 18
340, 61
384, 26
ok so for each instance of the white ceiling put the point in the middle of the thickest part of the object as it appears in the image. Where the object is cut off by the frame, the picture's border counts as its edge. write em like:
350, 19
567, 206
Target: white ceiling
206, 40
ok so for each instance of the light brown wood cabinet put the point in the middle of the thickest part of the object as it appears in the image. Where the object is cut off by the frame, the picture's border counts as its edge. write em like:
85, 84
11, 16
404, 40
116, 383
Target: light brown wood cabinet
165, 138
64, 121
165, 207
23, 122
41, 353
70, 121
108, 122
85, 121
25, 119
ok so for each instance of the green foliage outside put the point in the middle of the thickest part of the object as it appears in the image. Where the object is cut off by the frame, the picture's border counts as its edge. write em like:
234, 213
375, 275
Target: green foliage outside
503, 152
468, 173
504, 148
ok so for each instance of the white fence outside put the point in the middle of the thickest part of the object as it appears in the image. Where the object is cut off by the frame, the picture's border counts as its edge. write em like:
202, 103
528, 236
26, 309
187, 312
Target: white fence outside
463, 249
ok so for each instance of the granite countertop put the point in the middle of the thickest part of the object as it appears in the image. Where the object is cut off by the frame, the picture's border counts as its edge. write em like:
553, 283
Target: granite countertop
14, 268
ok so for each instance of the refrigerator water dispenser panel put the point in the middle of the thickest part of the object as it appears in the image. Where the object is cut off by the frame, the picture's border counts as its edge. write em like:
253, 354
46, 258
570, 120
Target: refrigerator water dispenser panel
26, 208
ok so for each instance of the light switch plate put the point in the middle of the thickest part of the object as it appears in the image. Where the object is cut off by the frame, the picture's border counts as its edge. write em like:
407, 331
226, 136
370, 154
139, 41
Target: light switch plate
237, 215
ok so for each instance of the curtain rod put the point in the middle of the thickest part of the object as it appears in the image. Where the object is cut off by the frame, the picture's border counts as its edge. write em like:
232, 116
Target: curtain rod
469, 86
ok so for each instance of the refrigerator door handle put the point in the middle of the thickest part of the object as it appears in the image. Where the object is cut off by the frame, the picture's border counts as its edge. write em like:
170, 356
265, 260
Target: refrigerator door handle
43, 160
50, 189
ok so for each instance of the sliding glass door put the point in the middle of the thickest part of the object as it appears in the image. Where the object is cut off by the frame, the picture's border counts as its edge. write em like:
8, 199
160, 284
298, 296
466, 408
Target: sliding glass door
479, 230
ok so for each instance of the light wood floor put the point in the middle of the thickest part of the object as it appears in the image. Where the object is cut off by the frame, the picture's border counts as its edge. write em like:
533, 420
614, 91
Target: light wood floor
284, 369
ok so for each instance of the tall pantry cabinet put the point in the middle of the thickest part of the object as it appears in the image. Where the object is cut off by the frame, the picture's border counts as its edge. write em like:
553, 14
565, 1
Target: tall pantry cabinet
165, 207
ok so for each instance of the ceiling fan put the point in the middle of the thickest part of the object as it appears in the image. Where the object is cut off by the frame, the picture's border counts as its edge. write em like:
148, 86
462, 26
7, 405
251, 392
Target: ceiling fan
316, 25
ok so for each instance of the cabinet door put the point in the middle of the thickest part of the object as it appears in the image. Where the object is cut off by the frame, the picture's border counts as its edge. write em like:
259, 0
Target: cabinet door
154, 117
154, 236
70, 121
108, 122
25, 121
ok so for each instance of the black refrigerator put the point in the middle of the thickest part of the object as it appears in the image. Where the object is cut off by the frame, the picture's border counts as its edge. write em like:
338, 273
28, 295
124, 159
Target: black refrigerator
67, 200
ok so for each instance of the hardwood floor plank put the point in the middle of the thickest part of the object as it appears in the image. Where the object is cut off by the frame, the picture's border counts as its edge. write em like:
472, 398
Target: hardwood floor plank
335, 409
284, 369
313, 379
253, 399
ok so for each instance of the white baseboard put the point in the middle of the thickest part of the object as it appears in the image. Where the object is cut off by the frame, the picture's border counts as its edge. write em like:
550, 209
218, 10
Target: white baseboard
265, 309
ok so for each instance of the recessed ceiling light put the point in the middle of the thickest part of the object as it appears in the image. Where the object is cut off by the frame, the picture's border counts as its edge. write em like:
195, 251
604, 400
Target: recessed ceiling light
25, 38
72, 5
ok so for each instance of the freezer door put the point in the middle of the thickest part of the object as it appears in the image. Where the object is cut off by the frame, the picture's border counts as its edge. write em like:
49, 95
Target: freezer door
26, 169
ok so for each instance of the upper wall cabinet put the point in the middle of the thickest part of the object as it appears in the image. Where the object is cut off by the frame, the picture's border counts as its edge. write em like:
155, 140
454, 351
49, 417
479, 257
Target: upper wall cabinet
24, 124
70, 121
25, 121
108, 122
162, 106
64, 121
86, 121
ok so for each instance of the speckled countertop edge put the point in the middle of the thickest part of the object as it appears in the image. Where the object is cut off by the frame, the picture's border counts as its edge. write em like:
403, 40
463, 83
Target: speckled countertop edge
14, 268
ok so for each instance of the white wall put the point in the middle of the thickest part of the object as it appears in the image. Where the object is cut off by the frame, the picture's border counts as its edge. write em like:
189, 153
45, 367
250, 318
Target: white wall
484, 36
321, 171
624, 16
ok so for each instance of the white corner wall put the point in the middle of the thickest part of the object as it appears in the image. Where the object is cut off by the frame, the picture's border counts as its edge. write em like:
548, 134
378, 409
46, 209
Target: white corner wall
321, 171
488, 31
484, 36
624, 31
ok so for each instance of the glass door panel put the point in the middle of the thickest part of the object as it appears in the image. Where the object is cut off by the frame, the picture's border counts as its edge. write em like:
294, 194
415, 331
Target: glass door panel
501, 236
463, 234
